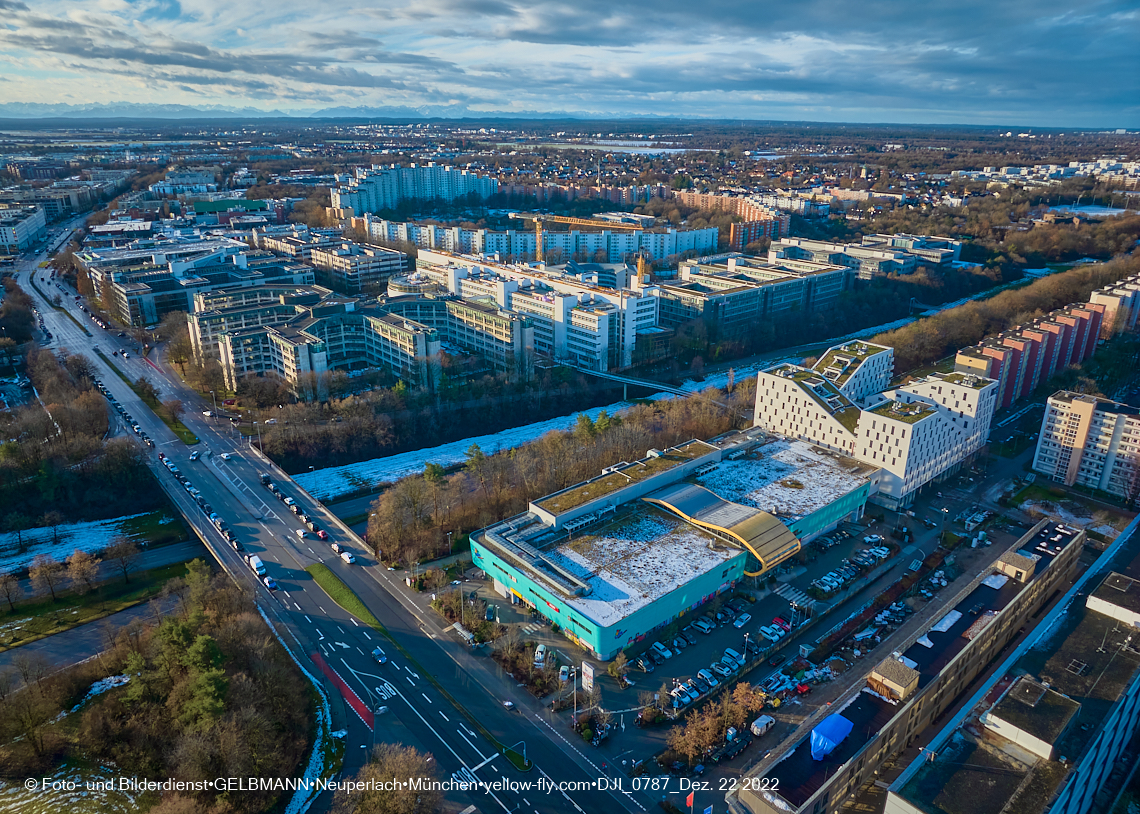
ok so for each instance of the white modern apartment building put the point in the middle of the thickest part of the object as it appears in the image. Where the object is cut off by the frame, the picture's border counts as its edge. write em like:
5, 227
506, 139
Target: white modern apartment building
1090, 441
914, 433
20, 227
576, 322
353, 268
615, 245
383, 187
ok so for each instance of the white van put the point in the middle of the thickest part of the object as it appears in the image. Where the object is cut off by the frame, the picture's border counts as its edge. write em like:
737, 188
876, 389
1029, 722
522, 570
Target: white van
661, 650
257, 565
732, 654
540, 655
762, 725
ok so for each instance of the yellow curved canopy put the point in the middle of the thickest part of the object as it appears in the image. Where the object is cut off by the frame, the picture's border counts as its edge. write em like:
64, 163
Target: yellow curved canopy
761, 533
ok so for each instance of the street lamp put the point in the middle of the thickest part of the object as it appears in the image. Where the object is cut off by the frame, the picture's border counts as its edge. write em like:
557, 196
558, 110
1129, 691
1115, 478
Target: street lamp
449, 549
942, 534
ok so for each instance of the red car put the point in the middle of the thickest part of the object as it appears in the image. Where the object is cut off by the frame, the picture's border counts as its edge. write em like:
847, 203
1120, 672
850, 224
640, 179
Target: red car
782, 623
324, 535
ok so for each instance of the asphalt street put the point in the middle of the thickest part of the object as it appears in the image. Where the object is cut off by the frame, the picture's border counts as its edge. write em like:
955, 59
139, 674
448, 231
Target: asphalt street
328, 639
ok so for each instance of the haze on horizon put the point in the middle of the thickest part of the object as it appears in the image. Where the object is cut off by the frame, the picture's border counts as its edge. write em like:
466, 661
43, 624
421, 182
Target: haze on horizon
1044, 64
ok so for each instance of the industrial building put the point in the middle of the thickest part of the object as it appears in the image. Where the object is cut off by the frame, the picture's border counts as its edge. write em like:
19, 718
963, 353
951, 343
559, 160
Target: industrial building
1046, 731
1090, 441
915, 433
619, 556
849, 741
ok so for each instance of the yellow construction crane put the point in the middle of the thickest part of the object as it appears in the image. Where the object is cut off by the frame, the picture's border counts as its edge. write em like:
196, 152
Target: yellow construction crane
590, 222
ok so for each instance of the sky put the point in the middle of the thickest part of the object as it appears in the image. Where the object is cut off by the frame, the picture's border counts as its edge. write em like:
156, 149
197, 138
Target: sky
1042, 63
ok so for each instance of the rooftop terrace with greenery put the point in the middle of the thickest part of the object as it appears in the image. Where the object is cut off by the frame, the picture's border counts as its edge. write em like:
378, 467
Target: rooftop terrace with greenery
630, 473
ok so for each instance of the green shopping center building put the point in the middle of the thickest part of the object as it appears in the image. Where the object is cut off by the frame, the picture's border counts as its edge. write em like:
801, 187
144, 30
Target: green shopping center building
613, 559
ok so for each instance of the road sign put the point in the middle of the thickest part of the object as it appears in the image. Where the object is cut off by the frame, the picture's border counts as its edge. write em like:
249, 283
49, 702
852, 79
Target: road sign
587, 676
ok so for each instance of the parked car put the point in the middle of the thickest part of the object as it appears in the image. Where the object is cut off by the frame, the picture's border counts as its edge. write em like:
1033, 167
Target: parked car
783, 623
645, 665
708, 678
662, 650
703, 626
742, 620
721, 669
689, 637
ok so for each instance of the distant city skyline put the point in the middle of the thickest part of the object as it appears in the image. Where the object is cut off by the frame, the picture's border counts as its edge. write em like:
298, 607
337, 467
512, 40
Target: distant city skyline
1047, 64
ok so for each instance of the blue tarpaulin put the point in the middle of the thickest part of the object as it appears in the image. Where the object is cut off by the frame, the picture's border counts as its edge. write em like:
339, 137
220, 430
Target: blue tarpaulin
829, 734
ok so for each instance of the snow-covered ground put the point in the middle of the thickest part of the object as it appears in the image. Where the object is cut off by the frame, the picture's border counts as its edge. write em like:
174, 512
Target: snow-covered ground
92, 537
1063, 515
331, 483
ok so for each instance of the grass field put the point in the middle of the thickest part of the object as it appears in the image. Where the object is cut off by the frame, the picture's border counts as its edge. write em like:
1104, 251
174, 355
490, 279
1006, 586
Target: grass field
37, 618
344, 596
177, 427
158, 528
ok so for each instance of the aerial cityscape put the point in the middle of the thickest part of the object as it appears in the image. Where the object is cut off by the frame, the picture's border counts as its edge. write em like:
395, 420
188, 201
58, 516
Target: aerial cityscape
388, 394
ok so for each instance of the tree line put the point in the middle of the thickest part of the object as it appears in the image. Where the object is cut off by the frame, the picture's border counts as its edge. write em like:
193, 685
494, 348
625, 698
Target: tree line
384, 421
933, 338
409, 521
57, 464
210, 693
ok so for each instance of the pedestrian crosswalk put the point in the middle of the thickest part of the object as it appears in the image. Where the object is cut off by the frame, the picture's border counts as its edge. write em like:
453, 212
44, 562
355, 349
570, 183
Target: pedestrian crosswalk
792, 594
531, 628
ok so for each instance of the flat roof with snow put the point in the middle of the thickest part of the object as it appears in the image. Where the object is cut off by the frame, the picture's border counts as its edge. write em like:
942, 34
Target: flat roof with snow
787, 478
612, 571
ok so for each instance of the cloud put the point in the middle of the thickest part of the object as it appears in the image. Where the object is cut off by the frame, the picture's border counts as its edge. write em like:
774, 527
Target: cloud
1045, 62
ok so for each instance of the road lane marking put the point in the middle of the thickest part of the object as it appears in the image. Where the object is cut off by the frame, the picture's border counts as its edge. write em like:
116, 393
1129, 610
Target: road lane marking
307, 619
444, 716
425, 697
355, 622
365, 632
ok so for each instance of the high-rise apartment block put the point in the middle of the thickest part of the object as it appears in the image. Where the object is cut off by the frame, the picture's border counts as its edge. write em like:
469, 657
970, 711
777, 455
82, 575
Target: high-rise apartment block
1090, 441
383, 187
1024, 357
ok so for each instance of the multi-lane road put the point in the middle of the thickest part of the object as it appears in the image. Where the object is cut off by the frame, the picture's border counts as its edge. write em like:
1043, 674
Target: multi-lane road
329, 640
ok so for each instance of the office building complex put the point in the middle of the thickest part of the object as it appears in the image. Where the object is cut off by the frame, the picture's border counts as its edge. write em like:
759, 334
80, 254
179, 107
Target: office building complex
732, 293
1090, 441
577, 322
383, 187
352, 268
1024, 357
868, 263
141, 285
903, 693
296, 241
611, 245
20, 227
1045, 732
617, 557
932, 252
915, 433
291, 331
